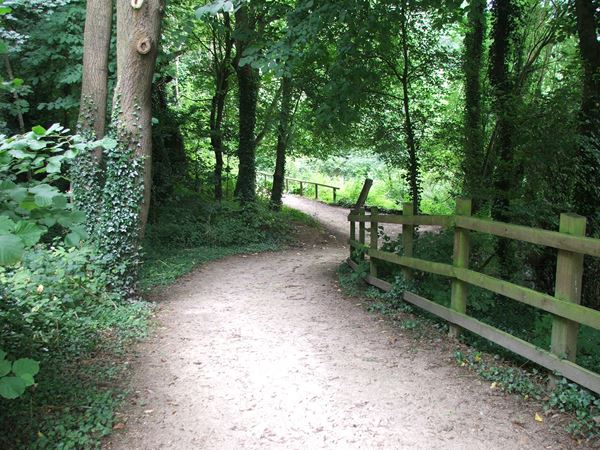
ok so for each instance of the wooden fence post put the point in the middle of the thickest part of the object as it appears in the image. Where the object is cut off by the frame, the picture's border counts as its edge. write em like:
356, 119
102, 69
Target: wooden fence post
316, 191
569, 272
287, 185
407, 238
462, 247
334, 194
374, 236
301, 189
361, 233
352, 232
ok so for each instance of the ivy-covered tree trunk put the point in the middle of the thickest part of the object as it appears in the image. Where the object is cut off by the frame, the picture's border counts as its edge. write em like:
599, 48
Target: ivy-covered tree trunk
474, 138
222, 73
414, 176
587, 188
248, 85
126, 196
502, 85
283, 139
86, 174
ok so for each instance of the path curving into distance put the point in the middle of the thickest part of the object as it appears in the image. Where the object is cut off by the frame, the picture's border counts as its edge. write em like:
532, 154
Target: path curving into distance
265, 352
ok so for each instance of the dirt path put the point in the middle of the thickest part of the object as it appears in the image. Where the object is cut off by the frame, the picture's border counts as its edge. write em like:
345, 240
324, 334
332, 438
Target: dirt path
263, 351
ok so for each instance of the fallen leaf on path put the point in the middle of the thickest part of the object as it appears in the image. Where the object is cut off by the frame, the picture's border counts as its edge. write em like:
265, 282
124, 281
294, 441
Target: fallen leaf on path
118, 426
538, 418
148, 411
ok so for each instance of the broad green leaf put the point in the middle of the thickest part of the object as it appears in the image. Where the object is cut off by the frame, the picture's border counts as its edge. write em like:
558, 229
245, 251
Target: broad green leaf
107, 143
25, 366
73, 239
6, 225
4, 367
28, 379
39, 130
43, 194
60, 201
11, 249
2, 354
28, 232
12, 387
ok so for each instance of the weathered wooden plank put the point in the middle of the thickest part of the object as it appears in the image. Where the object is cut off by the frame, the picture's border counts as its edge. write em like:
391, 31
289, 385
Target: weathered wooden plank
578, 374
442, 221
446, 270
581, 314
364, 193
460, 259
554, 239
374, 240
569, 275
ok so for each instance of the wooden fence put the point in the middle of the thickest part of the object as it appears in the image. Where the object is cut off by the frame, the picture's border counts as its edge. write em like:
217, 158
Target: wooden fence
567, 313
266, 176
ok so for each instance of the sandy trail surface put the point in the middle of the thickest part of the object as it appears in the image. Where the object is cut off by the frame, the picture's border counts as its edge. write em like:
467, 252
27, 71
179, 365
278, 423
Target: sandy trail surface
264, 352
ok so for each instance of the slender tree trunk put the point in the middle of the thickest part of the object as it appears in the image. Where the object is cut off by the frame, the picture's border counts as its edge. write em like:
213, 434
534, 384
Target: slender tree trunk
474, 138
94, 82
86, 174
414, 179
248, 85
222, 71
587, 188
283, 138
138, 38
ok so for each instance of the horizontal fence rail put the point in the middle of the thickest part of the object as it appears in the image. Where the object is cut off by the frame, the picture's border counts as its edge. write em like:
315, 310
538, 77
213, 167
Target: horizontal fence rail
567, 313
266, 176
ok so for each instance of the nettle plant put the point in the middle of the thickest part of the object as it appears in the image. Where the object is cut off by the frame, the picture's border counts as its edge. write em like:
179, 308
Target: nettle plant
31, 202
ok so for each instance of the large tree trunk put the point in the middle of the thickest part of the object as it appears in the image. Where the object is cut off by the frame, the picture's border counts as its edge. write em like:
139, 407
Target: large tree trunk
138, 37
587, 187
474, 145
94, 81
414, 178
86, 174
283, 138
248, 85
503, 90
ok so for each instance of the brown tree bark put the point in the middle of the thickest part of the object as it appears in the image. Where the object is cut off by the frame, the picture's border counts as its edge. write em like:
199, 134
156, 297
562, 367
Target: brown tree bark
587, 190
283, 138
94, 82
223, 70
138, 38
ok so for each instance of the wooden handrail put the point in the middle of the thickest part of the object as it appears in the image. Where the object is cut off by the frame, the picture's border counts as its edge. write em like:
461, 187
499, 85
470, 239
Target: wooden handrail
564, 305
335, 188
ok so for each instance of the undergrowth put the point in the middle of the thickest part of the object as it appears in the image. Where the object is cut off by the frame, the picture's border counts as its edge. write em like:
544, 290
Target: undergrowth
498, 367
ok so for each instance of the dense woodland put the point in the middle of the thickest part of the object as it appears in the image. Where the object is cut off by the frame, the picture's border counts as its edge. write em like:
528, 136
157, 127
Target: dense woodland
135, 129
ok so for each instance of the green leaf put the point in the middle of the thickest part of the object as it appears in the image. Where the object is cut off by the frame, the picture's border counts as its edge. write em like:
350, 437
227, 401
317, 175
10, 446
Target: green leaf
107, 143
2, 354
72, 239
4, 10
25, 366
44, 193
60, 201
4, 367
12, 387
39, 130
28, 379
11, 250
28, 232
6, 225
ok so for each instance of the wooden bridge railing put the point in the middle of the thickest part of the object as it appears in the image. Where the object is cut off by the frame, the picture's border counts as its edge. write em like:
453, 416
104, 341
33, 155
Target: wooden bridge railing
567, 313
266, 176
